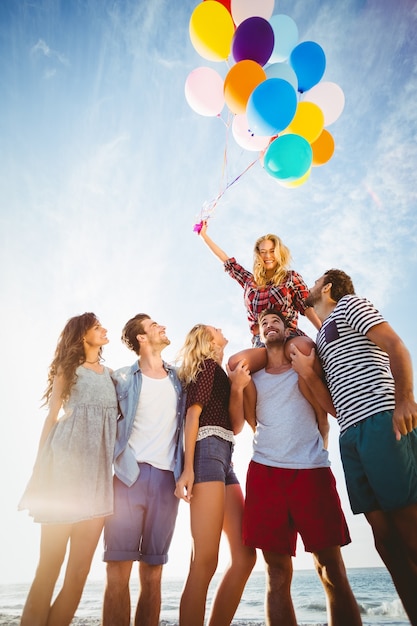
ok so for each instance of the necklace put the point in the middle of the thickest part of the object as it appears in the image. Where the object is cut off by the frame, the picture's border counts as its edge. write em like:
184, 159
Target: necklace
92, 362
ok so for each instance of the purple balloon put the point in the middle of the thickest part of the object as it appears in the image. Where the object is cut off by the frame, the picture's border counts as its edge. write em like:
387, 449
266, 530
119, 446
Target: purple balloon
254, 40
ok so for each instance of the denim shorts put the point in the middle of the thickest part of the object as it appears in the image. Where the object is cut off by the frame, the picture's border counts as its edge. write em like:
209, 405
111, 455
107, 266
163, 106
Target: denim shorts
381, 472
143, 521
213, 461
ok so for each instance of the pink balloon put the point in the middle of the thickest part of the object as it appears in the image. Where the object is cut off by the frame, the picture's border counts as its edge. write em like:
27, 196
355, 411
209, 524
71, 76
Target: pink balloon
204, 91
244, 137
329, 97
242, 9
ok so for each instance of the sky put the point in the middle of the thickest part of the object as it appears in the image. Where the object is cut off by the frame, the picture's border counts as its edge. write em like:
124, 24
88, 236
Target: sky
105, 169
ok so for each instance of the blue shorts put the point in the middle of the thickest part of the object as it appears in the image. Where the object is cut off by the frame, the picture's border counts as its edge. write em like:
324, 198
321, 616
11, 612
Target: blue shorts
381, 472
143, 521
213, 461
282, 503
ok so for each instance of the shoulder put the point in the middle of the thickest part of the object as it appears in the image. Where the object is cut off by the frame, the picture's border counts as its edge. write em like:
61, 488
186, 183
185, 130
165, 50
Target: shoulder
295, 278
352, 302
124, 374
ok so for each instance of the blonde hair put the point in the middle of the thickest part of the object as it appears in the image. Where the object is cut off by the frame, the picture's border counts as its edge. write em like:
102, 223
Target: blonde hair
282, 255
198, 347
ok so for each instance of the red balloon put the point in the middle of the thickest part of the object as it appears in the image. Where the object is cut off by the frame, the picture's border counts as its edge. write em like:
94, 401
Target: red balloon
226, 3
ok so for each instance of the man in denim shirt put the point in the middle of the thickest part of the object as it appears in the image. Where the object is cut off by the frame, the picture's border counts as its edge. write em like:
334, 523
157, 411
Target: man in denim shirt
147, 463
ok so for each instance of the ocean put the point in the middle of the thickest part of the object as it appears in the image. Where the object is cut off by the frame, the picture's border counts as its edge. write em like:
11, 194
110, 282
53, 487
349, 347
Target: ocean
372, 587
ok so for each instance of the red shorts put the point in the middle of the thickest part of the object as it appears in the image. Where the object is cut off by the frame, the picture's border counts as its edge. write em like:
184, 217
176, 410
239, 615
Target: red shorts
283, 502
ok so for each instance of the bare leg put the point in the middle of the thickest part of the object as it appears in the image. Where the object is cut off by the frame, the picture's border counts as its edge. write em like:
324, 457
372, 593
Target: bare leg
206, 513
149, 603
54, 539
83, 542
243, 558
116, 603
342, 608
395, 537
279, 608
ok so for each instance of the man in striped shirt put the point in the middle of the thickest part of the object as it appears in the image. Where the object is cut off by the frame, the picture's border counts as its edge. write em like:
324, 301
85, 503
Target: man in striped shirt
369, 375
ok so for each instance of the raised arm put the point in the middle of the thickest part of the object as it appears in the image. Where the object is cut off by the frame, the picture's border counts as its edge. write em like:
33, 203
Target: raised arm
218, 252
405, 412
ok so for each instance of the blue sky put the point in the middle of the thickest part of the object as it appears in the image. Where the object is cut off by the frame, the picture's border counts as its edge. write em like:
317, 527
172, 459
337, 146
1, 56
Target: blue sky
104, 169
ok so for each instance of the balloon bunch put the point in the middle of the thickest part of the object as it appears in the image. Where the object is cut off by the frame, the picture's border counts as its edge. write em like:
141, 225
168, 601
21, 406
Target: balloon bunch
272, 88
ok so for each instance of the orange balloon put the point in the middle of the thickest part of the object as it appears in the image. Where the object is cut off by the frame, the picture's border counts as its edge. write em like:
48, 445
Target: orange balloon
322, 148
239, 83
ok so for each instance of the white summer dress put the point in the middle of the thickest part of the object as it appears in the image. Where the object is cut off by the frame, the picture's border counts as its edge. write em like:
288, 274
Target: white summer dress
72, 477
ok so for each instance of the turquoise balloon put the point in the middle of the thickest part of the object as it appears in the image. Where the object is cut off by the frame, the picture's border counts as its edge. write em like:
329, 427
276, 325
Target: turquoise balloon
271, 107
308, 62
285, 37
288, 157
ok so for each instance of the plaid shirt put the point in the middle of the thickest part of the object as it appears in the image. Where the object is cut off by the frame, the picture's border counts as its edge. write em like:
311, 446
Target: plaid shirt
289, 297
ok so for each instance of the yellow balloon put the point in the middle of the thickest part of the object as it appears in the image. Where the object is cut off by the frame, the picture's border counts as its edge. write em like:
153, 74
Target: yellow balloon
211, 30
296, 183
308, 121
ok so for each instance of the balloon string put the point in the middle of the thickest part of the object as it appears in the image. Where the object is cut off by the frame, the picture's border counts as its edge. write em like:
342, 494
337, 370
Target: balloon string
208, 207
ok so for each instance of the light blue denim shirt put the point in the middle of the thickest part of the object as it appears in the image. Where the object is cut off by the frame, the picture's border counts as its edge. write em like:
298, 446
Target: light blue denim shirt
128, 383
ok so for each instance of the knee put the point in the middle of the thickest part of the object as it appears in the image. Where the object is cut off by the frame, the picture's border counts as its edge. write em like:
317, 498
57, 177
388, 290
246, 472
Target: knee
303, 343
279, 574
244, 561
117, 574
331, 569
150, 575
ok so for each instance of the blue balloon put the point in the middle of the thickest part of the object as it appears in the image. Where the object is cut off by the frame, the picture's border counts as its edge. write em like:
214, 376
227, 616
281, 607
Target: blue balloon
285, 37
308, 62
288, 157
284, 71
271, 107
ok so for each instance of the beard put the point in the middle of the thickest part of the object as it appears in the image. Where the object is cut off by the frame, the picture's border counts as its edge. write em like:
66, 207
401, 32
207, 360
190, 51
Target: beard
311, 299
277, 339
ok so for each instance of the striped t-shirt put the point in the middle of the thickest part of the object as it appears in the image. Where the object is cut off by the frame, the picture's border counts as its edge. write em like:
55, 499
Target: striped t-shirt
357, 371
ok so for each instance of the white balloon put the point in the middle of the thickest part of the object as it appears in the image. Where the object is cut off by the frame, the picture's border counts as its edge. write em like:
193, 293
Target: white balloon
329, 97
204, 91
242, 9
244, 137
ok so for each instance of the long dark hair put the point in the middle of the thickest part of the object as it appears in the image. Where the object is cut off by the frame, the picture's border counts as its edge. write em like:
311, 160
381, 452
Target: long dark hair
69, 353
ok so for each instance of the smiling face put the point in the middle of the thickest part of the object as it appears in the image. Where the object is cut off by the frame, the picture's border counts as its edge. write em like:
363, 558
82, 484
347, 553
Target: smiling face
267, 254
154, 333
96, 336
272, 329
219, 339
